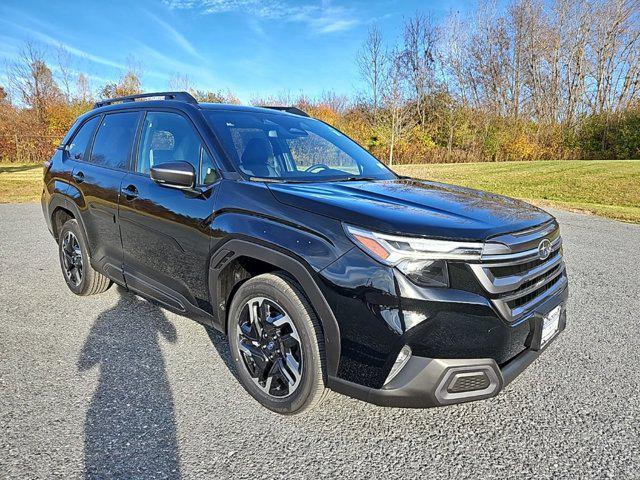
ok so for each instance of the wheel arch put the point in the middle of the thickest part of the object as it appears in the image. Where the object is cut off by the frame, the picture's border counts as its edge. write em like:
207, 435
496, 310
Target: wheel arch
58, 218
224, 280
60, 207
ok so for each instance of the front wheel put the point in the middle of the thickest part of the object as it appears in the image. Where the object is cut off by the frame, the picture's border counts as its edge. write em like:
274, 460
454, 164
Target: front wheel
277, 344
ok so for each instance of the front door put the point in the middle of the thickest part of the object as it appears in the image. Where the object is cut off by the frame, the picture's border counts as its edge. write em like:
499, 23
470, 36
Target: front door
165, 231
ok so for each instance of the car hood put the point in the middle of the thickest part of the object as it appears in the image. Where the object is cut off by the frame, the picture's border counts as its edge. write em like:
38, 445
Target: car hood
413, 207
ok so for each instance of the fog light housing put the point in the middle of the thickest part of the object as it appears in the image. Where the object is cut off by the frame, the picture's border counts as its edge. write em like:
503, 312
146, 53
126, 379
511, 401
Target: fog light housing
401, 361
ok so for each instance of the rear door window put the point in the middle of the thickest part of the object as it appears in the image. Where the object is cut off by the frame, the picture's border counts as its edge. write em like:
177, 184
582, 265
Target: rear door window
114, 139
77, 148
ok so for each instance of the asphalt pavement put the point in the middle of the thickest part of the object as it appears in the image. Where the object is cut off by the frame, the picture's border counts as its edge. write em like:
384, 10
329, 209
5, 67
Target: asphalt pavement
111, 386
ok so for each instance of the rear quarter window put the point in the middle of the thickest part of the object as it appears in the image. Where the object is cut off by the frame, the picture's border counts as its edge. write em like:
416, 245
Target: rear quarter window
77, 148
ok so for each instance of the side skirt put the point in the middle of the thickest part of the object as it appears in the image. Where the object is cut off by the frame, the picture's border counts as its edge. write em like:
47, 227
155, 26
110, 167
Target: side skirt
159, 294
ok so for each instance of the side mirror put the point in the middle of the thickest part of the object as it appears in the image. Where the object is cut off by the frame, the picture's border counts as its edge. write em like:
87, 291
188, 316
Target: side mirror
174, 174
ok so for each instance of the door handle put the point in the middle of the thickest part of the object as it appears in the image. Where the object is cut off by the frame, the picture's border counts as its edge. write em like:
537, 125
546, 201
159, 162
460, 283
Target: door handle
130, 192
78, 177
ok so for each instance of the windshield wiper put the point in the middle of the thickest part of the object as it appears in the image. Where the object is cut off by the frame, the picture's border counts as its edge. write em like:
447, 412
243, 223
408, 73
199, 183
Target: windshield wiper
265, 179
310, 180
275, 180
355, 179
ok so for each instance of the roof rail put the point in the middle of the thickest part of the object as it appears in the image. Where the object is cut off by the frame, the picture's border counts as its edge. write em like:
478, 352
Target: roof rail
178, 96
293, 110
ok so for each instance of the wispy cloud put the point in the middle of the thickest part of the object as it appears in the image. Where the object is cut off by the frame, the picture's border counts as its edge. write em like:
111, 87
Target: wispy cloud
38, 35
174, 34
166, 66
327, 25
321, 19
8, 46
89, 56
76, 73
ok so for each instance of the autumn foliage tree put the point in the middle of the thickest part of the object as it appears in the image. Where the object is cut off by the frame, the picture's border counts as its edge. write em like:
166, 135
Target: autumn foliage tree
533, 79
129, 84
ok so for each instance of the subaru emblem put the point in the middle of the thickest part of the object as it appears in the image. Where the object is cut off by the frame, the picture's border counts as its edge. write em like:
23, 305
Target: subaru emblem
544, 249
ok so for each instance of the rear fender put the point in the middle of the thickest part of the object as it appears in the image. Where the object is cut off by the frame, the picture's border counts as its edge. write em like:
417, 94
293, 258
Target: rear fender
62, 201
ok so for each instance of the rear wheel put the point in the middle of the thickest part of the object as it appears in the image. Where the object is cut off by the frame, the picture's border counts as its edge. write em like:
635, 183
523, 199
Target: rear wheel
276, 344
80, 276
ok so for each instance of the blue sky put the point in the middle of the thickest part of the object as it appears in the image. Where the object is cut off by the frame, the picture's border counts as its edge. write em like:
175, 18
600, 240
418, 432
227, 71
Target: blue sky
253, 47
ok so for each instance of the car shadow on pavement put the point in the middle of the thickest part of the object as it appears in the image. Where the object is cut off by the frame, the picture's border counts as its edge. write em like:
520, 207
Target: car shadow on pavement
130, 428
221, 344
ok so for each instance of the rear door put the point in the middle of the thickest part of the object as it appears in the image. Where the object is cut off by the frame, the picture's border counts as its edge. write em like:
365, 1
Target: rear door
97, 176
166, 231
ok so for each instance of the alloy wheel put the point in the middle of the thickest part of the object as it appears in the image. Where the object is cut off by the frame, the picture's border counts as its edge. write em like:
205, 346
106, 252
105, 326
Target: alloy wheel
72, 258
269, 346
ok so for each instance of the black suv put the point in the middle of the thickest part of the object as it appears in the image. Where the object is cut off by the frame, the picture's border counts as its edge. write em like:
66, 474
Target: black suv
322, 266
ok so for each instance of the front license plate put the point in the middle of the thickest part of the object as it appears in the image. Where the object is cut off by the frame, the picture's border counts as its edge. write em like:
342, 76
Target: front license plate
550, 325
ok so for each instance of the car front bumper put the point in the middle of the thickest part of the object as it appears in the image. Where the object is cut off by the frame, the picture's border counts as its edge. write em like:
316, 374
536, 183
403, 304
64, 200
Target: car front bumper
428, 382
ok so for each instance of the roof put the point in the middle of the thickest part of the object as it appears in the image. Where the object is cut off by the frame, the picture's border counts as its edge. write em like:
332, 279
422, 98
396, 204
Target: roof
249, 108
182, 99
184, 105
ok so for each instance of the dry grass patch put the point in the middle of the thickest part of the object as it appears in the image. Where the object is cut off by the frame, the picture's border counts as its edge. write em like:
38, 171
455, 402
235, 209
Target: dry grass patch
20, 182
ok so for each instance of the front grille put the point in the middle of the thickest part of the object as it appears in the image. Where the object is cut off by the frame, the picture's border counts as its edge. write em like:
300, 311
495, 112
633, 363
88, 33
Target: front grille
520, 268
536, 280
518, 302
517, 279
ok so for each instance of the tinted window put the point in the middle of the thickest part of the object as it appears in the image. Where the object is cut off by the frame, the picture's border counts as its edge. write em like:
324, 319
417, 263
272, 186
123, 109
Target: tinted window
241, 137
114, 139
280, 146
77, 148
314, 150
167, 137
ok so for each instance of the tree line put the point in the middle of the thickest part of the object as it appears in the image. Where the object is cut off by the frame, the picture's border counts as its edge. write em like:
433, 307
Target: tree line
533, 79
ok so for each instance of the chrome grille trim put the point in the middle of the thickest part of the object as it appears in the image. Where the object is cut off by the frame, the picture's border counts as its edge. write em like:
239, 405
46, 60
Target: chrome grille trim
527, 239
532, 288
520, 257
517, 313
507, 292
496, 285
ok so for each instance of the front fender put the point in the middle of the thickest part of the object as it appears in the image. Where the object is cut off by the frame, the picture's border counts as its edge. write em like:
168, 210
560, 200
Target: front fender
317, 249
243, 246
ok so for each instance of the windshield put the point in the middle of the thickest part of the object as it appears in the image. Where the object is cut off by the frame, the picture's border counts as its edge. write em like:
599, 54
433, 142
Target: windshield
292, 148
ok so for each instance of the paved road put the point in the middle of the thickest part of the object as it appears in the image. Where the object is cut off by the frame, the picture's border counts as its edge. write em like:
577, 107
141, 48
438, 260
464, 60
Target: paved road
112, 386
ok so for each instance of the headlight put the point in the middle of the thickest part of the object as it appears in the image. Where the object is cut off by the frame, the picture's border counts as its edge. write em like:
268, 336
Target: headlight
422, 260
428, 273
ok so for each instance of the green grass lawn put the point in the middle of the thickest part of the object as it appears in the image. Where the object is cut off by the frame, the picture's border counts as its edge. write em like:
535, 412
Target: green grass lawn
603, 187
607, 188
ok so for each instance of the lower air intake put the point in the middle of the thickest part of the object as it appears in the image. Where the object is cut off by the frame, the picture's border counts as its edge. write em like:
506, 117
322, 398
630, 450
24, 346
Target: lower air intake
468, 382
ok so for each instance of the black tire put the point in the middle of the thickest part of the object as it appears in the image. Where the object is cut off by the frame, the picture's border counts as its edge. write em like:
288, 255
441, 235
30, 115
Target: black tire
285, 292
86, 280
